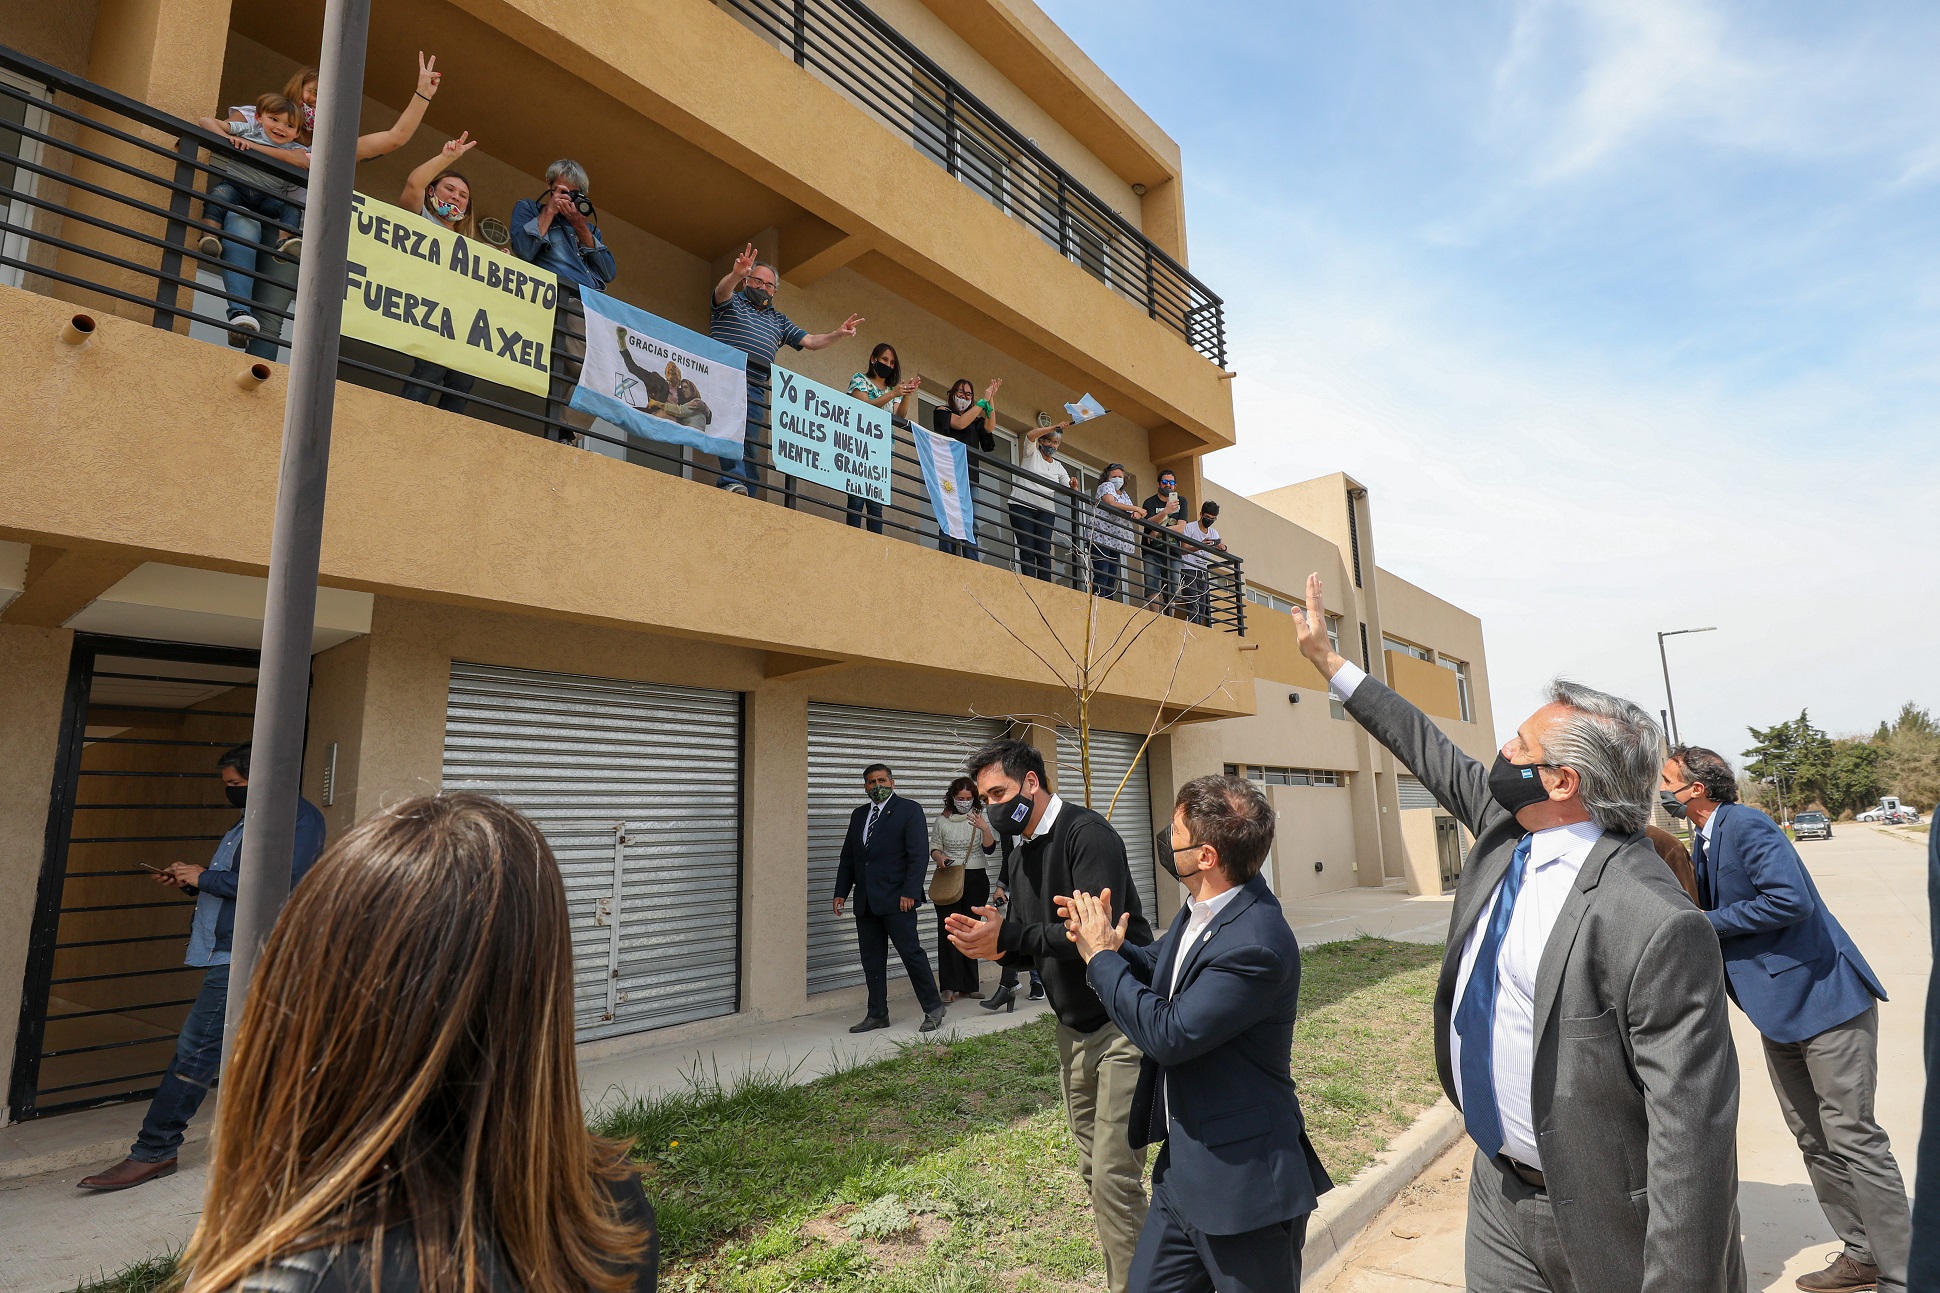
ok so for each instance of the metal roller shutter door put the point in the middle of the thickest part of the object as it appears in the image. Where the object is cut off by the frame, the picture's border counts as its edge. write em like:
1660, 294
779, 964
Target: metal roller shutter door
637, 788
1412, 793
926, 752
1111, 754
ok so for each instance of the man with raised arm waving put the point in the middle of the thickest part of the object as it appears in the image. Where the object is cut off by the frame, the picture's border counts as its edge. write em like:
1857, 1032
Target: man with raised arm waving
1580, 1018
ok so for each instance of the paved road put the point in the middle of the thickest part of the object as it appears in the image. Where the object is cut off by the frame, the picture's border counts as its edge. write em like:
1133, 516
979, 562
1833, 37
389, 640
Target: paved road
1876, 885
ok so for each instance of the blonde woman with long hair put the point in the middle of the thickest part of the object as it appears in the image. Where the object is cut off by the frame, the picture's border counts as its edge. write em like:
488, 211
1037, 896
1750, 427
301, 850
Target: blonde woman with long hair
403, 1108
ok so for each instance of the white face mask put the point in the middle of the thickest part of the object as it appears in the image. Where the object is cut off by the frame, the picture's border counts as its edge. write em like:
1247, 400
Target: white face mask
961, 402
964, 806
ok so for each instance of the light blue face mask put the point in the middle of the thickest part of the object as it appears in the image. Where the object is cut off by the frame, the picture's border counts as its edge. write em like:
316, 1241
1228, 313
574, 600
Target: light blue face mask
450, 211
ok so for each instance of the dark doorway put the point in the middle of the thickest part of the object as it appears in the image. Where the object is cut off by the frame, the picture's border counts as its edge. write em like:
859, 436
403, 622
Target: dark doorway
135, 783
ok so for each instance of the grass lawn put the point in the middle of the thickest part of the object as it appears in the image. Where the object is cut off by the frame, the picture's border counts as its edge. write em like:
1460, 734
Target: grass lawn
948, 1168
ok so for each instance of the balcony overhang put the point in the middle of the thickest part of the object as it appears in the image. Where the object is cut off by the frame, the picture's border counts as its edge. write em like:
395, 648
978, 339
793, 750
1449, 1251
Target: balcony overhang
142, 443
708, 152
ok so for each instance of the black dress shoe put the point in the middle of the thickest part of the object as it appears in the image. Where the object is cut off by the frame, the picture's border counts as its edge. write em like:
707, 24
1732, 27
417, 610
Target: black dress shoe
869, 1025
932, 1021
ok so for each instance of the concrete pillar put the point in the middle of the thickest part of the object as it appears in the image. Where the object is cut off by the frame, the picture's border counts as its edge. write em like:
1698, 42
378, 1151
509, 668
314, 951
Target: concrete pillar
774, 852
166, 53
34, 661
338, 696
401, 744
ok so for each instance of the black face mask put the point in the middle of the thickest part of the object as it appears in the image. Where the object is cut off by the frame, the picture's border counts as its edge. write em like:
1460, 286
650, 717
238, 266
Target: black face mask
1010, 817
1516, 786
1167, 858
881, 372
238, 795
1673, 805
758, 297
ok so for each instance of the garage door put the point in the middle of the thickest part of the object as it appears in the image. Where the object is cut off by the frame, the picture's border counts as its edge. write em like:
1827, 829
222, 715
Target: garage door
1111, 755
1412, 793
926, 751
637, 787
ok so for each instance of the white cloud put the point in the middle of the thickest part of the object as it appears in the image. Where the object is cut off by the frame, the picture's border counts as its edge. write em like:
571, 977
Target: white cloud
1578, 517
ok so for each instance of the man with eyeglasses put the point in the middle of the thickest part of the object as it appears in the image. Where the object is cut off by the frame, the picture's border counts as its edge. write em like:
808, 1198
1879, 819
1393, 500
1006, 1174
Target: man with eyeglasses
745, 317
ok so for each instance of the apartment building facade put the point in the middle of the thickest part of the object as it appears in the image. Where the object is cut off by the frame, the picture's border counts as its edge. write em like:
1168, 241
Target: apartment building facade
680, 684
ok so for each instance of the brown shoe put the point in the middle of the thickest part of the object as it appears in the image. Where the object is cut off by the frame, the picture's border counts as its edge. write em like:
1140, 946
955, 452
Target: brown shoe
1841, 1275
130, 1172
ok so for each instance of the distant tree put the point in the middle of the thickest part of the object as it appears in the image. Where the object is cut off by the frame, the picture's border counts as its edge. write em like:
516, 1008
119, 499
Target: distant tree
1852, 781
1909, 756
1796, 755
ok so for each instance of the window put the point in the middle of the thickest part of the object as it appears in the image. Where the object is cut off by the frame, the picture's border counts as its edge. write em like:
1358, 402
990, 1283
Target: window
17, 110
1276, 776
1272, 601
1460, 670
1232, 769
1404, 648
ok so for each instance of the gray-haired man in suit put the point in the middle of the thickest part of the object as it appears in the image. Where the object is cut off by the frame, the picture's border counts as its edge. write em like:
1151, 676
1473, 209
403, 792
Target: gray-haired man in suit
1580, 1019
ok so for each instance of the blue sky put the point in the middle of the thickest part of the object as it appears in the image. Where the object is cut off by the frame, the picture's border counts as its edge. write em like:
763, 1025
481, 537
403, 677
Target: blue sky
1627, 312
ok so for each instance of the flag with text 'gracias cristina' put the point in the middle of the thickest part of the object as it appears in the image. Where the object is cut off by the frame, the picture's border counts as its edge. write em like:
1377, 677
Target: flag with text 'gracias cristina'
659, 380
946, 473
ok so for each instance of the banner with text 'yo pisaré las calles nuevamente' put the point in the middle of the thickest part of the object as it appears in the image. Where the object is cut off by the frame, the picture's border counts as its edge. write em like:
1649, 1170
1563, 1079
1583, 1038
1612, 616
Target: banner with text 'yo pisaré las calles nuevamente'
417, 287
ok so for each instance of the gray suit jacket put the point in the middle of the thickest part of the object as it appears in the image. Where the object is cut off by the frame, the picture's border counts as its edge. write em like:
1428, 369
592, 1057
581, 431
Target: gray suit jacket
1635, 1090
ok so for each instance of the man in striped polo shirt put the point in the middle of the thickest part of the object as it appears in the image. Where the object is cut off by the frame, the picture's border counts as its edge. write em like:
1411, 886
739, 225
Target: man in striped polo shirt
745, 317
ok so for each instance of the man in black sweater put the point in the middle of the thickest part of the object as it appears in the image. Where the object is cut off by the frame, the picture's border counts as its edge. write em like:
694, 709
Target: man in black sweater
1063, 848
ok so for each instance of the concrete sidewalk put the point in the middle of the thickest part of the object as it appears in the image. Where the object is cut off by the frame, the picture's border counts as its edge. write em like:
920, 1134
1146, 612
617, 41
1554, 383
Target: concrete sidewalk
54, 1236
1876, 884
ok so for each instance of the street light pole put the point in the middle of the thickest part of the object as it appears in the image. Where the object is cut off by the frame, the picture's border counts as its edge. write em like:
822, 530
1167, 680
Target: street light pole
1665, 660
296, 542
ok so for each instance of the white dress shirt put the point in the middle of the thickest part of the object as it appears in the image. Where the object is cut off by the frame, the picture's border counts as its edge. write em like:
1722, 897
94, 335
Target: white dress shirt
1556, 856
1197, 924
1045, 822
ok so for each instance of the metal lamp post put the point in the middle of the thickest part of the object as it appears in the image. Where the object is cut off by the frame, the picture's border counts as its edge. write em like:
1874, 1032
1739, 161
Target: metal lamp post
1664, 660
296, 542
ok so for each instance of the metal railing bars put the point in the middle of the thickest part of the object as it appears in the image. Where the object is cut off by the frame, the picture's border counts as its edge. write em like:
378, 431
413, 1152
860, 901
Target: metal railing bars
868, 60
119, 233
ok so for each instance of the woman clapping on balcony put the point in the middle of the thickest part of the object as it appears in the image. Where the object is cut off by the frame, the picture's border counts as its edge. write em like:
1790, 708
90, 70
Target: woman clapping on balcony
882, 385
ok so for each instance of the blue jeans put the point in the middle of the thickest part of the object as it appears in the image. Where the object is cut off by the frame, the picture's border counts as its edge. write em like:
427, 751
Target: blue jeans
456, 385
239, 231
198, 1055
858, 505
738, 470
1104, 571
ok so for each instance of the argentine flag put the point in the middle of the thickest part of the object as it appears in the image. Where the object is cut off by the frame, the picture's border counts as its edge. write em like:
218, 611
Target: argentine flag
946, 473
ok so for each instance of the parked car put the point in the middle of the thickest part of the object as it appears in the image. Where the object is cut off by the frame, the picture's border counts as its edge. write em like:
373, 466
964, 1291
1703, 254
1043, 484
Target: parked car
1811, 826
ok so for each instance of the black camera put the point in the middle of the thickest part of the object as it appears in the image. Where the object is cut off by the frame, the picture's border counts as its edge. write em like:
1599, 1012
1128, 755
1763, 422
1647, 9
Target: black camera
581, 203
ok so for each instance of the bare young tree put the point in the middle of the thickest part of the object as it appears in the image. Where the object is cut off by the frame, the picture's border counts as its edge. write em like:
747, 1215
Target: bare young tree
1082, 668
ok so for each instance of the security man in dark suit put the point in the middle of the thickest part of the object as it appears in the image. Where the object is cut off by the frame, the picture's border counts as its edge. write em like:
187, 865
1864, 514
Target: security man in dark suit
1212, 1006
1798, 976
885, 859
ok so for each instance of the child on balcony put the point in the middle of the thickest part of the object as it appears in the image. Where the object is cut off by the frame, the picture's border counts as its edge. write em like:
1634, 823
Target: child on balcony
244, 196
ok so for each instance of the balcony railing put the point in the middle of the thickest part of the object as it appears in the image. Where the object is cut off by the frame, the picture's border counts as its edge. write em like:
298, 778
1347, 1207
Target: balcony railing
847, 45
98, 207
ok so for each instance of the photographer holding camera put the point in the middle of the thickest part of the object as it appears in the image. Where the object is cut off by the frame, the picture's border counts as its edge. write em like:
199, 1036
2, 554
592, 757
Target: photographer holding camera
557, 231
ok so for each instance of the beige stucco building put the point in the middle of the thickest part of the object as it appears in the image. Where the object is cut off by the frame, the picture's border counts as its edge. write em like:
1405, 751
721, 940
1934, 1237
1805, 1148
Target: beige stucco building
680, 684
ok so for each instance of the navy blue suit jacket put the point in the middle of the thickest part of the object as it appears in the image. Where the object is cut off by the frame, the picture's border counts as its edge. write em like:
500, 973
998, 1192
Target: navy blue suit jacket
1923, 1271
892, 865
1236, 1145
1789, 965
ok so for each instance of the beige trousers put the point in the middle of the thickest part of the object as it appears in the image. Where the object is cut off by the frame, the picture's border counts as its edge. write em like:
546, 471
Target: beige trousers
1100, 1072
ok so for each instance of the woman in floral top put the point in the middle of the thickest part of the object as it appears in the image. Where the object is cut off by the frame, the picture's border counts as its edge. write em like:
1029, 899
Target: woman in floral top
883, 386
1109, 532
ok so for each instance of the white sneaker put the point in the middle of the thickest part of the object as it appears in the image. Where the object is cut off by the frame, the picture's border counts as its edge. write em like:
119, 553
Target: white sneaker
210, 245
240, 328
736, 487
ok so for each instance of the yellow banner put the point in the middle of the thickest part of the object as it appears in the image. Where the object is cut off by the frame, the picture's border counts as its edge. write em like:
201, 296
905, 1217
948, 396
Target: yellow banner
417, 287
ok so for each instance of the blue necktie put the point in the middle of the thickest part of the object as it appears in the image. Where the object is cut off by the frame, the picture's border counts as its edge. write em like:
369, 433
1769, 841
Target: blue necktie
1701, 863
1475, 1017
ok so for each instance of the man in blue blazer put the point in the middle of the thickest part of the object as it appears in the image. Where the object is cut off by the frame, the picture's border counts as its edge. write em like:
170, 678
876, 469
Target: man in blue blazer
885, 859
1815, 1002
1212, 1006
